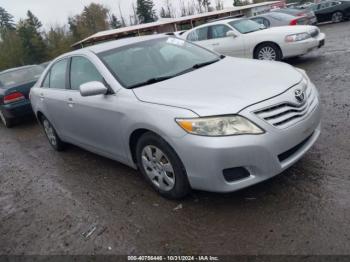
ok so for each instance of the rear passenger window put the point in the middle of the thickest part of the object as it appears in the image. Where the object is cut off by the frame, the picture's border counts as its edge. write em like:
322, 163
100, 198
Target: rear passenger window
199, 34
83, 71
58, 75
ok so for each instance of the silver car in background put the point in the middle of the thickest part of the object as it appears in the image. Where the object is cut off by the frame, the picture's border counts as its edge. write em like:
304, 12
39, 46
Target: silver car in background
184, 116
273, 19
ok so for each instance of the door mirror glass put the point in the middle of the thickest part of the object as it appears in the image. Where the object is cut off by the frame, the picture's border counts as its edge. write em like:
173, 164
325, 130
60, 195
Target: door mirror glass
93, 88
231, 34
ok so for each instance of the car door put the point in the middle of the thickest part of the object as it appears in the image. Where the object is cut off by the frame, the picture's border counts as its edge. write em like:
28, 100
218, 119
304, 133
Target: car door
324, 12
52, 95
93, 122
223, 44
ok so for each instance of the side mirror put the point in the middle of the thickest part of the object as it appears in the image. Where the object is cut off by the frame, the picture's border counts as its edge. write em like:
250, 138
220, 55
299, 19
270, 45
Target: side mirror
231, 34
93, 88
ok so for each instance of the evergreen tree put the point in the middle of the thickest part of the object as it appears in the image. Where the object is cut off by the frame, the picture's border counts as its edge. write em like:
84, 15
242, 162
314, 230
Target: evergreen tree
31, 39
114, 22
145, 11
93, 19
33, 21
6, 20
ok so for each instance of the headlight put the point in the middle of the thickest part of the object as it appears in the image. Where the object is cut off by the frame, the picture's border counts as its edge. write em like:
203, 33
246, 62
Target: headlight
297, 37
219, 126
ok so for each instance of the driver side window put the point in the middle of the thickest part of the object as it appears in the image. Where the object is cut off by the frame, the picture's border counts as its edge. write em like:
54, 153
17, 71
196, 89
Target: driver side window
218, 31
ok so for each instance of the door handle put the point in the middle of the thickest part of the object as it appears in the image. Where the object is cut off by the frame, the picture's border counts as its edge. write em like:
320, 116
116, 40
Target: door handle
70, 102
41, 95
215, 44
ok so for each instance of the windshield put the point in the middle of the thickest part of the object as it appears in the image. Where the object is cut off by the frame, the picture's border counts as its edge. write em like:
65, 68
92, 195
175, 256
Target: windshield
20, 76
155, 60
245, 26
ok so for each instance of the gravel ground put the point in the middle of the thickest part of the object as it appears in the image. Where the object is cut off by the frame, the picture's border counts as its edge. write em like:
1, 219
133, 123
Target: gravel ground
76, 202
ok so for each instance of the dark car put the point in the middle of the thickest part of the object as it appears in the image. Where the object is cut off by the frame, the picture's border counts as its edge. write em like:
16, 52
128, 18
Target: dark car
299, 12
15, 85
335, 11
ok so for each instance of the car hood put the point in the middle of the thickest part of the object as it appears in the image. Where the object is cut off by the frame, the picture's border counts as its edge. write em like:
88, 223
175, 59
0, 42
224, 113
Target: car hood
225, 87
285, 30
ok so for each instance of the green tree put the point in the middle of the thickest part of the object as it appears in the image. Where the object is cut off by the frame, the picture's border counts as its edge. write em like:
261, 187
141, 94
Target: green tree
6, 20
11, 50
32, 41
114, 22
58, 41
93, 19
33, 21
145, 11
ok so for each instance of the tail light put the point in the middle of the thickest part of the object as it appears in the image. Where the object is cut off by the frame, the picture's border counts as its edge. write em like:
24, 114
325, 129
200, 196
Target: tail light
13, 97
293, 22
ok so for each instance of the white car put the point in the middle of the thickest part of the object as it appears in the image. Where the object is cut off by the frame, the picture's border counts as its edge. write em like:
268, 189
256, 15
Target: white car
245, 38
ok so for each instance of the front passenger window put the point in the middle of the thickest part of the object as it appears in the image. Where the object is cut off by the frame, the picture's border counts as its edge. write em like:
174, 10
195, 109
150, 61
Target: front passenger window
83, 71
218, 31
58, 75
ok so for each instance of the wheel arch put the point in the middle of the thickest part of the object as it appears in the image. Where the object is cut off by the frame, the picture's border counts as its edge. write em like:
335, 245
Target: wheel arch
264, 43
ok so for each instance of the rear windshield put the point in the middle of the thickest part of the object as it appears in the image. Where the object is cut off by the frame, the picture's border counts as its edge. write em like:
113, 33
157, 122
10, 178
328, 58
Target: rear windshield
20, 76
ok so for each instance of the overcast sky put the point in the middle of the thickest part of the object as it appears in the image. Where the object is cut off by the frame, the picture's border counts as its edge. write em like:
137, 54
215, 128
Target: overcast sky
52, 12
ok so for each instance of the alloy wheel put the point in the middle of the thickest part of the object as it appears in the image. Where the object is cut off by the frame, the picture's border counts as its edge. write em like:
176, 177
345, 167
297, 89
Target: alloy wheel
337, 17
267, 53
50, 133
158, 168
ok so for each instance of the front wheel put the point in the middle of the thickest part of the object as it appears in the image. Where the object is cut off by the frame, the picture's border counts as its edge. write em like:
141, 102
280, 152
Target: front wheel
337, 17
268, 51
161, 167
5, 120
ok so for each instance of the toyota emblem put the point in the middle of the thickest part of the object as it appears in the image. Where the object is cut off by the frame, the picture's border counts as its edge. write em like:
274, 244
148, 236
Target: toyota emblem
299, 95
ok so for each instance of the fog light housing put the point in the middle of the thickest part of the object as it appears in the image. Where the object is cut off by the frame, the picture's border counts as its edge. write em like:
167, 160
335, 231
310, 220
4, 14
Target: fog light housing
235, 174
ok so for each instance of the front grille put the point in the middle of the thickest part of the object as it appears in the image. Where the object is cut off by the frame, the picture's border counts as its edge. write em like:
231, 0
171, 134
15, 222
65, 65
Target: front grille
286, 114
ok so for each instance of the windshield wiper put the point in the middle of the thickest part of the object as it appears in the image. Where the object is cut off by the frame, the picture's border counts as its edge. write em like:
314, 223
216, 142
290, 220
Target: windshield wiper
152, 80
196, 66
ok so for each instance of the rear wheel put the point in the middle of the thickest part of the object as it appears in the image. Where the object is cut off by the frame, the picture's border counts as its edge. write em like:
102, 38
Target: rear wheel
268, 51
8, 122
51, 135
337, 17
161, 167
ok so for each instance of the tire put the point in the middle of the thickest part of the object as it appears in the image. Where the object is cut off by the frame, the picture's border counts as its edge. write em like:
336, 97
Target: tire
268, 51
8, 122
337, 17
51, 135
161, 167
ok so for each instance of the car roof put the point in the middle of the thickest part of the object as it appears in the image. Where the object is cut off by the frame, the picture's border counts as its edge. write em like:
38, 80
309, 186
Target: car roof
285, 15
105, 46
219, 22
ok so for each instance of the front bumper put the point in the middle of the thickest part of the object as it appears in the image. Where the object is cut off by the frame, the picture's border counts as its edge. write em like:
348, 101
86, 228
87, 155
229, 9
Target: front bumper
205, 158
17, 109
303, 47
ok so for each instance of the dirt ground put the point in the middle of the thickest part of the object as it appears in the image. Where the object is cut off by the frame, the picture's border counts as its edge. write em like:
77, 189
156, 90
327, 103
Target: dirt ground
76, 202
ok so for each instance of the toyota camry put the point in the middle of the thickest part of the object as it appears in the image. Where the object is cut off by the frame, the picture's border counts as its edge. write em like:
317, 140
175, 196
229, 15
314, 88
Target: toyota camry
186, 117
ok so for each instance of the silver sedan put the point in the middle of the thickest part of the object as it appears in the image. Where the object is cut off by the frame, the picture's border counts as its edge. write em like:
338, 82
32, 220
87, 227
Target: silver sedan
186, 117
